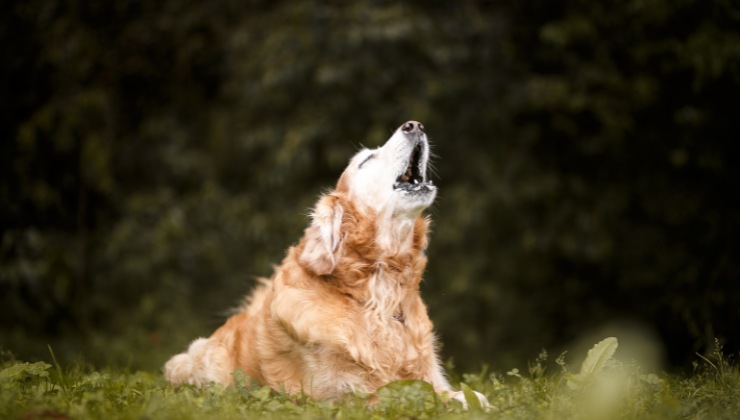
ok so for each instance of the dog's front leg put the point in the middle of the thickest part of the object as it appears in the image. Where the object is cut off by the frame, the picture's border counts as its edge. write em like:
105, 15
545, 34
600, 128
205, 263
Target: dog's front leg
441, 385
431, 369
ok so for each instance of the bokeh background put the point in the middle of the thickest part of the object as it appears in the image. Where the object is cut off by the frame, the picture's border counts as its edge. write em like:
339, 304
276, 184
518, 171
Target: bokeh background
156, 157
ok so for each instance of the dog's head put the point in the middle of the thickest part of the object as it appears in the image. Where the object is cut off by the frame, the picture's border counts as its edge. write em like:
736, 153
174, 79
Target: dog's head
386, 189
392, 179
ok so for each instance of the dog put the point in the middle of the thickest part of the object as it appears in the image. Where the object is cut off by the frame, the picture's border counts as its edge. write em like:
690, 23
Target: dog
343, 312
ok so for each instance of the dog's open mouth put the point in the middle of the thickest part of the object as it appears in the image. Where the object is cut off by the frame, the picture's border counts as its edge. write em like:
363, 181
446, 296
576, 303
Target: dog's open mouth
413, 179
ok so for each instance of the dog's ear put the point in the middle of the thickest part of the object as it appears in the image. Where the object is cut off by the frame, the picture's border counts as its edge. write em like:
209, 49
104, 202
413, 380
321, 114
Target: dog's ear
324, 236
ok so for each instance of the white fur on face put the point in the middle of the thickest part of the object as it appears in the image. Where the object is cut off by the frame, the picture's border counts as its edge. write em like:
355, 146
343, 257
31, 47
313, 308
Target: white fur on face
376, 179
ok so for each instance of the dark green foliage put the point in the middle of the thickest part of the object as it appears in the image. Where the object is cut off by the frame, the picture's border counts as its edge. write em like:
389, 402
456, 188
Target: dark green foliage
156, 157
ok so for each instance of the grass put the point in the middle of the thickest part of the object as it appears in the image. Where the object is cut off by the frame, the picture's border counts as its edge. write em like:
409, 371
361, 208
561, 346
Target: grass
605, 388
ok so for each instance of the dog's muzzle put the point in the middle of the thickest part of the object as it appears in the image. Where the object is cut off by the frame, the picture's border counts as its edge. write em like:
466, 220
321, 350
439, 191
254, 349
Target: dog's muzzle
413, 179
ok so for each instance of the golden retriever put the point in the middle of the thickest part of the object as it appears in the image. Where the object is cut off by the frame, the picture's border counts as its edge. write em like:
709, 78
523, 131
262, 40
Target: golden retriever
343, 312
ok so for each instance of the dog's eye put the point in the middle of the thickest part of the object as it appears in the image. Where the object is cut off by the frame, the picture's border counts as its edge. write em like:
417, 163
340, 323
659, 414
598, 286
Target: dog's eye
365, 160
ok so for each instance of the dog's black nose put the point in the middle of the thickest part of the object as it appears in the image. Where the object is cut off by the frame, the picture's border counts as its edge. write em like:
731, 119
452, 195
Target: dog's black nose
412, 127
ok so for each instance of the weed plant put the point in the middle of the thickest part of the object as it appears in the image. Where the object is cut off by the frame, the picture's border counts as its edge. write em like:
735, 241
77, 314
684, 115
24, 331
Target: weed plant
604, 388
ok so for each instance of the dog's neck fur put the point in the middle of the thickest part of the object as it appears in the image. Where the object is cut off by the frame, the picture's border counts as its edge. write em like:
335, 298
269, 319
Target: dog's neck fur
378, 261
380, 265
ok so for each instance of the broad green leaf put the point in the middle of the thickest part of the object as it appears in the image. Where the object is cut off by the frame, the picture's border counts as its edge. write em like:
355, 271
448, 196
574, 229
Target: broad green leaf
18, 370
408, 394
262, 394
596, 359
598, 356
471, 398
405, 386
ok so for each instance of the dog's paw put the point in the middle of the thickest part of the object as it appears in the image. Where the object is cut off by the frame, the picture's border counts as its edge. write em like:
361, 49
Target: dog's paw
460, 396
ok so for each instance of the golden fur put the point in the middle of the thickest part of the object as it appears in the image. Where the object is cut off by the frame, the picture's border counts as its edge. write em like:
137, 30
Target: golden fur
341, 313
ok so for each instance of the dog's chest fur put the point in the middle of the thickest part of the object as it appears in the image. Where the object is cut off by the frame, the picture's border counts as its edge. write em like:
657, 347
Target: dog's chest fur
370, 307
396, 324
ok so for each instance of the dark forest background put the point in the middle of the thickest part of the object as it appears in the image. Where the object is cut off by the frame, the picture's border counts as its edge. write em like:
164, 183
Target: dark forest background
156, 156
